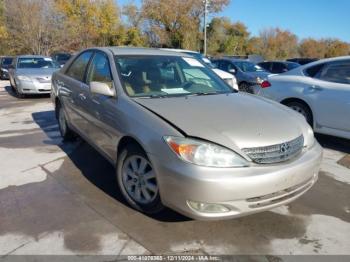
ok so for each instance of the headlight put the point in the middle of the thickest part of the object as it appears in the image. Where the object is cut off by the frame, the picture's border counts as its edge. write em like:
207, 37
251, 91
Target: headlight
4, 69
203, 153
23, 78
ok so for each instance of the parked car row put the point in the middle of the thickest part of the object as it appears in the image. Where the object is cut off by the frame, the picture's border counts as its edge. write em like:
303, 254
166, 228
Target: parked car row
31, 74
175, 130
247, 73
5, 63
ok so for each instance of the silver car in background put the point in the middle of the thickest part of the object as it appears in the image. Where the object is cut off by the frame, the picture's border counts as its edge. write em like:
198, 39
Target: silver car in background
31, 74
320, 91
177, 136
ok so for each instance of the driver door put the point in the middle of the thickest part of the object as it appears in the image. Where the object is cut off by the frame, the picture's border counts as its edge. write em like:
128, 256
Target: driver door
102, 109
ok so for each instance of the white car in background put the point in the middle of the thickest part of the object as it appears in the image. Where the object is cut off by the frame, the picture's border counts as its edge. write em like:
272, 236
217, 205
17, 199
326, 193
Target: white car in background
320, 91
227, 77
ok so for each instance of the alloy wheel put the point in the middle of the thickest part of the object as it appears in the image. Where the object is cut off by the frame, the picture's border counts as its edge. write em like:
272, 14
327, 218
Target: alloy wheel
299, 110
139, 179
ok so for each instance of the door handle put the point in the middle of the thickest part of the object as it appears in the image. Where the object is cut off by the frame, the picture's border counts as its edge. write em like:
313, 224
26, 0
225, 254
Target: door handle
316, 88
82, 96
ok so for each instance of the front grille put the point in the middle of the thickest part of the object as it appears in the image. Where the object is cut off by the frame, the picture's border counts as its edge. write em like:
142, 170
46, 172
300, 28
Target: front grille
275, 153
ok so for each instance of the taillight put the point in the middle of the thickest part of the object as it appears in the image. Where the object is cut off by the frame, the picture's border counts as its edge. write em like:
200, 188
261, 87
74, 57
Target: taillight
265, 84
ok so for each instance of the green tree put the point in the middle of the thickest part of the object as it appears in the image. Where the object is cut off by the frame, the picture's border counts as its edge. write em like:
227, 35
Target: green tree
278, 44
176, 23
312, 48
226, 37
336, 47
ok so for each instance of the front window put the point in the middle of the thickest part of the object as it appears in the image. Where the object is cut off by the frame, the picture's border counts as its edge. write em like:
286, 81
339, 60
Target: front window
34, 62
337, 72
7, 61
159, 76
249, 67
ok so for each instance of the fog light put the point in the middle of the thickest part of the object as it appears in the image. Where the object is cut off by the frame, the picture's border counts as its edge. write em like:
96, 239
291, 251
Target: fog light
207, 207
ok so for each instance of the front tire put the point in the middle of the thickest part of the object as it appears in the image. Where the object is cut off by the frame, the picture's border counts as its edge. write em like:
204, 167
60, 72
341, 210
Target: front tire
301, 109
137, 180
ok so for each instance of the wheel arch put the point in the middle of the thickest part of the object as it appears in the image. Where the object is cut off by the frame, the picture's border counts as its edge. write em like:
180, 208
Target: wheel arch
57, 103
128, 140
299, 100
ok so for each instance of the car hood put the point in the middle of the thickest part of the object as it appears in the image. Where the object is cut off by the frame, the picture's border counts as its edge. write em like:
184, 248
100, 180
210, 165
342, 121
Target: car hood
36, 71
236, 120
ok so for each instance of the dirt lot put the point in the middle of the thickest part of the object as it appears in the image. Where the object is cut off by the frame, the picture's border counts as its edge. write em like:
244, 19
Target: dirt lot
62, 199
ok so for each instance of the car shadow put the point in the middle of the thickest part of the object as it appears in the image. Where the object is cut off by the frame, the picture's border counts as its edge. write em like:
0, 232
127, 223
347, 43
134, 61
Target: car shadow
12, 93
95, 168
334, 143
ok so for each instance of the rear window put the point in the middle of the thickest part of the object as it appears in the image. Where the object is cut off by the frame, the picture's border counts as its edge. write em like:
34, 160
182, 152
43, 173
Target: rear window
338, 72
313, 70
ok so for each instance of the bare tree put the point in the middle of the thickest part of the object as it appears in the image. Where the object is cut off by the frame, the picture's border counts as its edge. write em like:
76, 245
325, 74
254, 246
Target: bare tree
32, 25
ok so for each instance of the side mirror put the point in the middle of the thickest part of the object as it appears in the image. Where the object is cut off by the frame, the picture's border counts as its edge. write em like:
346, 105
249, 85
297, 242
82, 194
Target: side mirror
101, 88
232, 71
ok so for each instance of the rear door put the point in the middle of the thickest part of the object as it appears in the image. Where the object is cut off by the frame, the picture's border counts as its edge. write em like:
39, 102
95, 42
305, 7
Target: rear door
331, 95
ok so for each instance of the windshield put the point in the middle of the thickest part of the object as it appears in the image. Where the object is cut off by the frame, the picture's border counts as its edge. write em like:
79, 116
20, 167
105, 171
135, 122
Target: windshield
34, 62
248, 67
7, 61
63, 57
162, 76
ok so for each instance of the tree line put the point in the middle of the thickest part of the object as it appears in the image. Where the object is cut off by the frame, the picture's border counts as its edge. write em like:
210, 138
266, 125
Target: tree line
46, 26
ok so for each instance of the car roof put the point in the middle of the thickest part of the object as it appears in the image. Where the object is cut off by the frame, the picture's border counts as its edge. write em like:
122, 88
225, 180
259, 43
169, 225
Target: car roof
301, 68
232, 59
327, 60
32, 56
179, 50
278, 61
117, 50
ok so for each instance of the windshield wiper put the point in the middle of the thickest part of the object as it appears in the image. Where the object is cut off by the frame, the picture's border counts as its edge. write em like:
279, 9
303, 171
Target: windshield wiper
158, 96
206, 93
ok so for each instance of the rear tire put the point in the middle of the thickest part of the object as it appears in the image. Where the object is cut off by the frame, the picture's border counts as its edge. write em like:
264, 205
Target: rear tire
137, 180
66, 133
245, 87
301, 109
